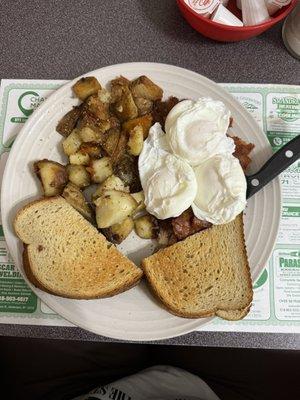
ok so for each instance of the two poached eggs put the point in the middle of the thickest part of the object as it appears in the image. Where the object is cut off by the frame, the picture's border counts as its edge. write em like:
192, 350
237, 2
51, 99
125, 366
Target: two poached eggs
192, 164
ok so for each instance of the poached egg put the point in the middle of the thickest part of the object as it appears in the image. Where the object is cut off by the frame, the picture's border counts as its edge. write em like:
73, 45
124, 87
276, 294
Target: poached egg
221, 189
169, 182
196, 130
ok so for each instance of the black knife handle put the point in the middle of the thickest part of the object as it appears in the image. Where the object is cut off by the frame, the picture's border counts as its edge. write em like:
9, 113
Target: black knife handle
280, 161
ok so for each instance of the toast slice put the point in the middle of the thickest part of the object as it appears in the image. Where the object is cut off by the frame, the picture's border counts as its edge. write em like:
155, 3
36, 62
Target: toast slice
65, 255
204, 275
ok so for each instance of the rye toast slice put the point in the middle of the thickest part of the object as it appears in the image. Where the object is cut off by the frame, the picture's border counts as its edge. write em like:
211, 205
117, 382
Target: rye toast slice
204, 275
67, 256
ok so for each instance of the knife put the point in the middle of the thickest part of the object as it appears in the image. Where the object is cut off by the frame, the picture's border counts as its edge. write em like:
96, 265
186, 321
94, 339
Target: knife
280, 161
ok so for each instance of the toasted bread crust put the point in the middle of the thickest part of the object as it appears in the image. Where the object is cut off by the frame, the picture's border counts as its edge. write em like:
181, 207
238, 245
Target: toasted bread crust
234, 315
32, 279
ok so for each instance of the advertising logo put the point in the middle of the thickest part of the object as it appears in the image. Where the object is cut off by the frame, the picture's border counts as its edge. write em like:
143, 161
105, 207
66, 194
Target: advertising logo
27, 103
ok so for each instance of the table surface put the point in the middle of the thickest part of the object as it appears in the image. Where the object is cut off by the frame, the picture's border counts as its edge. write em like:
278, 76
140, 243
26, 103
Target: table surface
62, 39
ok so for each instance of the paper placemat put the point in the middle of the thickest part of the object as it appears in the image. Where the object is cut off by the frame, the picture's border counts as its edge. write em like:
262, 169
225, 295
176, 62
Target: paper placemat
276, 305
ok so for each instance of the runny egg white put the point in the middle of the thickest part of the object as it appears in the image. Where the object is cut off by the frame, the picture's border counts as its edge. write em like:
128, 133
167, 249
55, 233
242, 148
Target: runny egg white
196, 130
169, 182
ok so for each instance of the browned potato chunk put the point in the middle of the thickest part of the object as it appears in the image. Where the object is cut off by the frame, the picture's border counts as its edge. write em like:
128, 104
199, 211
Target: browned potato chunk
120, 81
75, 197
72, 143
125, 107
135, 141
93, 150
105, 125
111, 141
79, 159
119, 232
120, 149
111, 183
127, 169
85, 87
139, 197
95, 106
145, 122
69, 121
88, 134
104, 95
112, 207
88, 120
144, 105
114, 123
145, 88
100, 169
146, 227
78, 175
118, 86
52, 175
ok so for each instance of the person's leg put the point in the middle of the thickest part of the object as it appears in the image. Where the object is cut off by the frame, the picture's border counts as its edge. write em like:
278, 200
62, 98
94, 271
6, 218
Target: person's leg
55, 369
238, 374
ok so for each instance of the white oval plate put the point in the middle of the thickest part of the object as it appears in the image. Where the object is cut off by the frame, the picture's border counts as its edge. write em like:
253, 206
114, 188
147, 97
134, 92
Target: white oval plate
135, 314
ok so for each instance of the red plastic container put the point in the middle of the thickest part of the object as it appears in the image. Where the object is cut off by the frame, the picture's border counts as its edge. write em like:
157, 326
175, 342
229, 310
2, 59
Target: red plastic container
225, 33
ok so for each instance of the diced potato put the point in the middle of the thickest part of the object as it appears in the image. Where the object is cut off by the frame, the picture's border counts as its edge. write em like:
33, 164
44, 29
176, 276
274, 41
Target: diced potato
112, 207
78, 175
52, 175
88, 134
144, 105
68, 121
111, 141
120, 81
145, 88
104, 95
75, 197
118, 86
135, 141
125, 107
114, 123
72, 143
139, 197
119, 232
127, 169
145, 122
79, 159
105, 125
100, 169
146, 227
95, 106
93, 150
85, 87
111, 183
120, 149
87, 119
